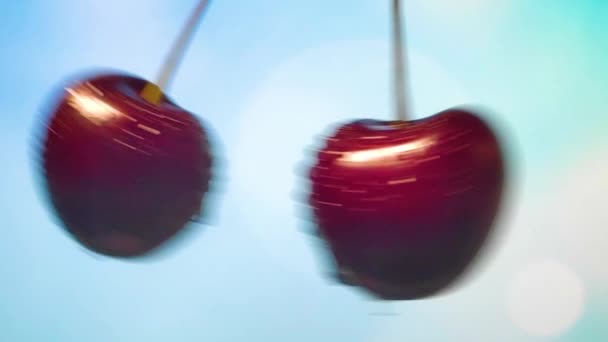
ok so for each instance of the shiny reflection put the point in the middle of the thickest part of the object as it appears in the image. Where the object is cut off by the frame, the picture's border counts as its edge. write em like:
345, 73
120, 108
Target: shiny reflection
385, 154
91, 105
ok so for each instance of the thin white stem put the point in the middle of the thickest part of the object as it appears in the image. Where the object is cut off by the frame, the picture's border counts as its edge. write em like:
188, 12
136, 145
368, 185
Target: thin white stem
176, 54
399, 64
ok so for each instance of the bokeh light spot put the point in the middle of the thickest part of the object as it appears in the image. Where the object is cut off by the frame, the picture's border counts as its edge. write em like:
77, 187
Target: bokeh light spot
545, 298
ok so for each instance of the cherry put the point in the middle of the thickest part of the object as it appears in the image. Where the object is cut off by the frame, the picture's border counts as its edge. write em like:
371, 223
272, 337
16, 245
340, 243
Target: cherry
405, 206
125, 168
122, 174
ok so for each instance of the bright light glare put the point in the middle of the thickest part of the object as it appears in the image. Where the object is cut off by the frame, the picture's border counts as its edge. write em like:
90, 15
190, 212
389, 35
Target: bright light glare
91, 106
546, 298
383, 153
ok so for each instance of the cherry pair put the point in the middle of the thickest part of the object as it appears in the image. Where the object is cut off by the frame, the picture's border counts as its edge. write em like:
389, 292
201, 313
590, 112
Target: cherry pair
404, 205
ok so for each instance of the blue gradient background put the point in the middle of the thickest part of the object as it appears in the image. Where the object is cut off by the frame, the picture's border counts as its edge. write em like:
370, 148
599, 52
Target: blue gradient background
254, 70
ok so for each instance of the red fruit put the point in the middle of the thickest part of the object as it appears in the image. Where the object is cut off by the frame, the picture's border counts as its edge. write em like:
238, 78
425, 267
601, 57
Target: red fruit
123, 175
406, 206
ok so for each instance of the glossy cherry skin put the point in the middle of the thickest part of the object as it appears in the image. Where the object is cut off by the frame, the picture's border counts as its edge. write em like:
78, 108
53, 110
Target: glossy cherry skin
405, 207
123, 175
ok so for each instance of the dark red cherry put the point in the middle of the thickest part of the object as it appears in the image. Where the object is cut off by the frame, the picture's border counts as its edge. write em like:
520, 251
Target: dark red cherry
406, 206
123, 175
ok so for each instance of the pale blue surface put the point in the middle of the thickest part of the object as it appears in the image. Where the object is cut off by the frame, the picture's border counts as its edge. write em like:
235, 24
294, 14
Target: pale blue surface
541, 69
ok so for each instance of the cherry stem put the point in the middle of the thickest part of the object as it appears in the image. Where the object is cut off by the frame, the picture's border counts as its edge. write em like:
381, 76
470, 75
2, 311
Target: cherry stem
153, 91
399, 64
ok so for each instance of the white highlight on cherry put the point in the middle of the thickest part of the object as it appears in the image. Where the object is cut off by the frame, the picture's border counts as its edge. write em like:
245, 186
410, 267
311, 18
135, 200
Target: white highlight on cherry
384, 153
97, 110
